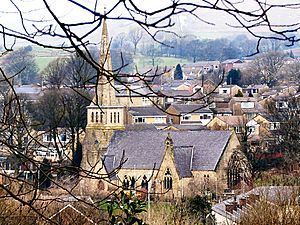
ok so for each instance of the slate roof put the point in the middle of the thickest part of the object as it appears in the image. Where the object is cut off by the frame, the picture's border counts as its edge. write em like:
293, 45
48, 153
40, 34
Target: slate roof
232, 61
135, 91
233, 120
109, 164
183, 156
184, 108
221, 110
186, 127
145, 149
146, 111
140, 126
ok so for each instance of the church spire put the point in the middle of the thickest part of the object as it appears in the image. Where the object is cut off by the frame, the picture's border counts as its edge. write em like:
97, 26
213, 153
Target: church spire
106, 95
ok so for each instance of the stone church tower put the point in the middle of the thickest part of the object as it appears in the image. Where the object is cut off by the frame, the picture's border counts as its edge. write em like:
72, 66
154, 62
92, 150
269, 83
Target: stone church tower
104, 115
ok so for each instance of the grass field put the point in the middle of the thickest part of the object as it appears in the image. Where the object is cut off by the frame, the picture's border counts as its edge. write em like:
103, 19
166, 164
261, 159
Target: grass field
42, 61
144, 61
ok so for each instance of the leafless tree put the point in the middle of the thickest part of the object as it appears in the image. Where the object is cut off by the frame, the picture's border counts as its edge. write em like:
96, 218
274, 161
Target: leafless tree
135, 36
286, 136
265, 69
54, 31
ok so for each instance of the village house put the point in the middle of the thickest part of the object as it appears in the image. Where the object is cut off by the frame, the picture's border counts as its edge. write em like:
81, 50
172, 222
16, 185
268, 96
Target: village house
230, 64
189, 114
148, 115
229, 90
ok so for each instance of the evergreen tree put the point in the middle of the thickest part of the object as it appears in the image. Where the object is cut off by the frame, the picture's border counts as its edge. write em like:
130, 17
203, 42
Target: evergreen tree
76, 161
178, 75
234, 77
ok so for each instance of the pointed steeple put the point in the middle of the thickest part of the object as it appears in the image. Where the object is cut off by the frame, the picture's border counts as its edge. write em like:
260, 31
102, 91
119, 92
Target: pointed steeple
106, 95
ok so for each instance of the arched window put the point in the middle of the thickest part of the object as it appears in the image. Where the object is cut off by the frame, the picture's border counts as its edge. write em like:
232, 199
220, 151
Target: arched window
92, 117
144, 183
125, 183
233, 177
118, 117
168, 181
237, 170
97, 117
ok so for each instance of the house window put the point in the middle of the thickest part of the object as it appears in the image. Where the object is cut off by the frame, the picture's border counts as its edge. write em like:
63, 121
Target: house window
205, 117
139, 120
111, 117
186, 117
25, 140
274, 126
224, 91
168, 182
238, 130
92, 117
145, 100
251, 129
159, 119
63, 137
48, 138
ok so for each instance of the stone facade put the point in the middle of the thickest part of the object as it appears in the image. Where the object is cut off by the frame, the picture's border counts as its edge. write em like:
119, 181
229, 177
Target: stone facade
174, 170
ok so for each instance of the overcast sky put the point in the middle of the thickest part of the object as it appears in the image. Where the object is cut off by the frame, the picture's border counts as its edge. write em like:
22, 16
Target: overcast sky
34, 12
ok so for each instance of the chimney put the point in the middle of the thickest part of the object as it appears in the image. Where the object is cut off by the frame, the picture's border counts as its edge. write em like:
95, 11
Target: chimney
229, 207
253, 198
242, 202
235, 205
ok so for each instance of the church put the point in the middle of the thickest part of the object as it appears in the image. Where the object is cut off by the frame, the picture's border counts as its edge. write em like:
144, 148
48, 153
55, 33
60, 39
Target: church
169, 163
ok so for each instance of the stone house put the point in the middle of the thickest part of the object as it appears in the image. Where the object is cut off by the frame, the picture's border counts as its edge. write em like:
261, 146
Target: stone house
189, 114
236, 123
148, 115
255, 90
248, 106
229, 90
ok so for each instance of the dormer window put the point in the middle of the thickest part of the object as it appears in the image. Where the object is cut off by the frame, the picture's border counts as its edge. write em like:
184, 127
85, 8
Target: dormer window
168, 181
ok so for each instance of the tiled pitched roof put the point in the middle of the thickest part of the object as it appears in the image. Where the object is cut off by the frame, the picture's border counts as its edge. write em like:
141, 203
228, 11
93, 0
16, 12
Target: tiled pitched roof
233, 120
186, 127
184, 108
145, 149
146, 111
